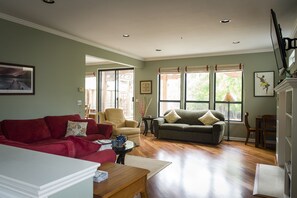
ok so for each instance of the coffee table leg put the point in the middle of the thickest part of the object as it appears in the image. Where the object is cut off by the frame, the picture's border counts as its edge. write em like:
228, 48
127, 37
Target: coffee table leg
121, 158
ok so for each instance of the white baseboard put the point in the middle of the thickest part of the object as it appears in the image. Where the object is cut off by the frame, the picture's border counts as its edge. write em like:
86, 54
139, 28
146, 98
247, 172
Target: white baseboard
240, 139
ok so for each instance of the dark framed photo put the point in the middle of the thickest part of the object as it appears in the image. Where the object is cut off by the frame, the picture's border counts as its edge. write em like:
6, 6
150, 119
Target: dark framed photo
16, 79
146, 87
264, 83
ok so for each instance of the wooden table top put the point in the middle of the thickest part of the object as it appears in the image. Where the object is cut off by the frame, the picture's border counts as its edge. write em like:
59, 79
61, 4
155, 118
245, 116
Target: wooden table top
119, 177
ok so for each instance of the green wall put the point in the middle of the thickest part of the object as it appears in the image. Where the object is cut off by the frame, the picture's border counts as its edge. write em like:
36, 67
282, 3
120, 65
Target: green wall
59, 71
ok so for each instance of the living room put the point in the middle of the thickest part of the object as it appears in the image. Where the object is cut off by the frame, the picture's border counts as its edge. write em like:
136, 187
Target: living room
59, 61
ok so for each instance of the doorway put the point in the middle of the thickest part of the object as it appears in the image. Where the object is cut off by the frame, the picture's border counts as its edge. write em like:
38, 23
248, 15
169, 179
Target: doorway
116, 90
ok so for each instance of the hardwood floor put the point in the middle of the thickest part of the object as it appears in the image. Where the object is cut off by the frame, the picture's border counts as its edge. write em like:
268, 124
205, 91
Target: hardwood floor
203, 171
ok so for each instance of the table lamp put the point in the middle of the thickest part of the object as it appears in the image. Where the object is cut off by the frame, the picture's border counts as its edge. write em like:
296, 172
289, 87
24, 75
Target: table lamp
228, 98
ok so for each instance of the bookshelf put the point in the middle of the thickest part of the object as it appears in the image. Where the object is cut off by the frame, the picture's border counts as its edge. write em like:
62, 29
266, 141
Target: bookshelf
286, 133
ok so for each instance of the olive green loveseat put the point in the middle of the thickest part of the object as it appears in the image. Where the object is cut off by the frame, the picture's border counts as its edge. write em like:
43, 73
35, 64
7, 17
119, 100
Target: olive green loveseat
189, 128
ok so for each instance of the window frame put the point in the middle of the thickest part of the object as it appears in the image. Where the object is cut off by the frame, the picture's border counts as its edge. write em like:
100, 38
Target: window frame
159, 92
235, 102
196, 101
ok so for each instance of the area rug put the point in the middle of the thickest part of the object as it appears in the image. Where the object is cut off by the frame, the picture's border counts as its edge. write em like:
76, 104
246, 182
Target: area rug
269, 181
153, 165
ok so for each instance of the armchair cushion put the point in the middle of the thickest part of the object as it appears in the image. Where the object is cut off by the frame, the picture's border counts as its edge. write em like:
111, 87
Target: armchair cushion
131, 123
116, 116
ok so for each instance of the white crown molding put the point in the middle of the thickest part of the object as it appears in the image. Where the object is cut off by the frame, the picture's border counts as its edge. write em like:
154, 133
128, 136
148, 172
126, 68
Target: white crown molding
209, 54
63, 34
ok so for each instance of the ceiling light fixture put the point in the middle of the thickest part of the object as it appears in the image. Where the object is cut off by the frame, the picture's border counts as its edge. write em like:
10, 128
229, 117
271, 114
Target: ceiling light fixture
126, 35
49, 1
224, 21
236, 42
158, 50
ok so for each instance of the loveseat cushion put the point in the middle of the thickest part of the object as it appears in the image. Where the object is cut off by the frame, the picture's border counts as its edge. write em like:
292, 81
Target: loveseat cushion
58, 124
83, 147
26, 131
199, 128
175, 126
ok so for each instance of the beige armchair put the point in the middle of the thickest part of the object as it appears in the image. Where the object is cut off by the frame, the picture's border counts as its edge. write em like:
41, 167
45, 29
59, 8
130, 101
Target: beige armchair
120, 125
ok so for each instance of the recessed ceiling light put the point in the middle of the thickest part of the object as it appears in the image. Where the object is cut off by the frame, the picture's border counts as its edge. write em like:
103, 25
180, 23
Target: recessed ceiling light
225, 21
126, 35
158, 50
236, 42
49, 1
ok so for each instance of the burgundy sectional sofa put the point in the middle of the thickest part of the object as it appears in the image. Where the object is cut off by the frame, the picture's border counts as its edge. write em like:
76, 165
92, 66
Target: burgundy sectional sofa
48, 135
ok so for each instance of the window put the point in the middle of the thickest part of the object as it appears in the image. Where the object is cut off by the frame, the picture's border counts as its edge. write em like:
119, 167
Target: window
197, 87
116, 90
90, 91
229, 80
169, 89
204, 88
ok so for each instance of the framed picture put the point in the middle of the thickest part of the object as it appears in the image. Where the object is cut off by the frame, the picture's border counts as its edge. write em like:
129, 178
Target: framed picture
264, 83
16, 79
146, 87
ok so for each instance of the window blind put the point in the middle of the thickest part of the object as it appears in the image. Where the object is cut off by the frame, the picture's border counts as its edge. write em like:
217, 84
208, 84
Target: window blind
230, 67
197, 69
90, 74
169, 70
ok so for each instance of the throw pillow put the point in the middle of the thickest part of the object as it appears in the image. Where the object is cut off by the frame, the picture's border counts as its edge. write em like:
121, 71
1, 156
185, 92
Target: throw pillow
172, 117
208, 118
76, 128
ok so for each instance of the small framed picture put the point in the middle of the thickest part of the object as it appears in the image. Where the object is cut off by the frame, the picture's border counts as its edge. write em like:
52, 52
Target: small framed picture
146, 87
264, 84
16, 79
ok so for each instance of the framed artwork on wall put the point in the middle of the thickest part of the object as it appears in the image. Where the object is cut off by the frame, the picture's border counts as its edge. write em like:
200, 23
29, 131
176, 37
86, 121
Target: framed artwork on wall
16, 79
146, 87
264, 83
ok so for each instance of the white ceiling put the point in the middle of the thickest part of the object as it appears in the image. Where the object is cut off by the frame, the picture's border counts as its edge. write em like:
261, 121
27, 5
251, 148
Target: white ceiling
180, 28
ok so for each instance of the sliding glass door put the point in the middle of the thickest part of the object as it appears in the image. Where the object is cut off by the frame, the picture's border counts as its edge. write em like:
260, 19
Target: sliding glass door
116, 88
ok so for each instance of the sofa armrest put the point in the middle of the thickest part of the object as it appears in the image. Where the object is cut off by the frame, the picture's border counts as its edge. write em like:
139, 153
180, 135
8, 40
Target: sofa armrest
156, 124
131, 123
218, 131
105, 129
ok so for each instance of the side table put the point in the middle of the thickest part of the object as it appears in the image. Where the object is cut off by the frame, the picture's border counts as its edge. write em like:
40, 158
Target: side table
145, 120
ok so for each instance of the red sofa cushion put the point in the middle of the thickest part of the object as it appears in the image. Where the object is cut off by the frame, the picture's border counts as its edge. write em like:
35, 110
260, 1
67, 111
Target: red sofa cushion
63, 148
58, 124
26, 131
91, 127
83, 147
103, 156
105, 129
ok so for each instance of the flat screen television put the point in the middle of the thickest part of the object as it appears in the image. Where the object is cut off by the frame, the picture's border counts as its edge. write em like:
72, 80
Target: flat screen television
278, 44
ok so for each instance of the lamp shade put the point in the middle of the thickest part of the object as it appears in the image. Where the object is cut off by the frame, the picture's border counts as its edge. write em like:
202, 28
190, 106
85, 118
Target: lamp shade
228, 97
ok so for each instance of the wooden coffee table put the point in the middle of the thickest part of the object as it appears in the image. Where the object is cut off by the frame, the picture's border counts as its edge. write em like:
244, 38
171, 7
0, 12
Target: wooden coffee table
123, 181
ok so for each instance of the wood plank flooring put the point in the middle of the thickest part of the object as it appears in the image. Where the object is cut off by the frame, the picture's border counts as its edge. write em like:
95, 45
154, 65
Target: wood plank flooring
198, 170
